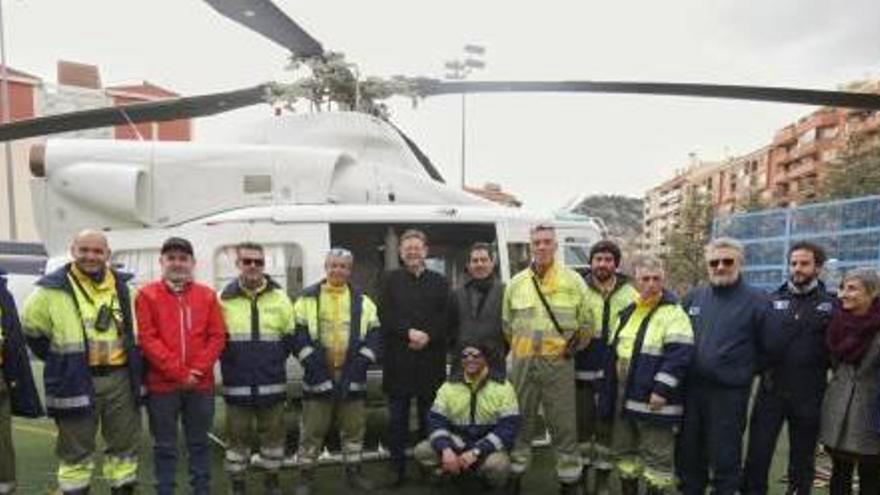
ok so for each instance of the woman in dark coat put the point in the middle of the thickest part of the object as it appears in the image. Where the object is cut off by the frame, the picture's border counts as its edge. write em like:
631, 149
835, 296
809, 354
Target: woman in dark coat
849, 429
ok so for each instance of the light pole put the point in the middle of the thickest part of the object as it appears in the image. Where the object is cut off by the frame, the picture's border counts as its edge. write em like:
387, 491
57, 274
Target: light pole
4, 118
459, 70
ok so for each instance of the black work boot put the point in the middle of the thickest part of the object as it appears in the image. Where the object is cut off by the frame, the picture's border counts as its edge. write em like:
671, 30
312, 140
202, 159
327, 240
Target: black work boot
271, 484
601, 487
305, 482
573, 488
654, 490
237, 487
355, 478
629, 486
514, 484
123, 490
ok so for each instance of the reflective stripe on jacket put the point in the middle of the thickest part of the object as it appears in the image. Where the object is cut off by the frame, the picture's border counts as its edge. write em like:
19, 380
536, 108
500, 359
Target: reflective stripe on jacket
589, 363
661, 355
528, 326
486, 417
259, 334
364, 346
56, 334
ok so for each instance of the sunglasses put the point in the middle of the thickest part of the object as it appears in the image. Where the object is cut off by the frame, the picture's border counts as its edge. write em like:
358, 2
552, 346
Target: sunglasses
471, 355
252, 261
721, 261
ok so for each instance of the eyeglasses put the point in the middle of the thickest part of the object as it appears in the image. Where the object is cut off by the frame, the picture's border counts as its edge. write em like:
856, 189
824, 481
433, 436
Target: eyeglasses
252, 261
471, 355
721, 261
339, 252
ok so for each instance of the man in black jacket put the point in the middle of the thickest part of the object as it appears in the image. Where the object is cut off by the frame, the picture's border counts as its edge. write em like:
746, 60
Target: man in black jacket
793, 387
733, 333
18, 393
413, 312
475, 312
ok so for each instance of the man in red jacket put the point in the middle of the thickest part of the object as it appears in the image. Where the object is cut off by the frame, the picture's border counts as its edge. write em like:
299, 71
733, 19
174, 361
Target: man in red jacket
181, 331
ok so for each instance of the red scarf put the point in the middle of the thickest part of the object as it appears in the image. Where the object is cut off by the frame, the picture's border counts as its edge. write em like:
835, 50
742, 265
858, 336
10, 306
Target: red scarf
849, 335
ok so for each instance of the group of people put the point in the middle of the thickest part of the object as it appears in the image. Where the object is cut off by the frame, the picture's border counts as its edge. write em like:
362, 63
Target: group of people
633, 385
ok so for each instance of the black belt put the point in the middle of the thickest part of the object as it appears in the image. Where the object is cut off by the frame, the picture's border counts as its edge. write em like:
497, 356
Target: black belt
105, 370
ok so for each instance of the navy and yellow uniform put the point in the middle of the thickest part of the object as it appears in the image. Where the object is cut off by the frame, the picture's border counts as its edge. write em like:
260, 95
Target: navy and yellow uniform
594, 435
259, 324
92, 374
651, 351
481, 415
336, 339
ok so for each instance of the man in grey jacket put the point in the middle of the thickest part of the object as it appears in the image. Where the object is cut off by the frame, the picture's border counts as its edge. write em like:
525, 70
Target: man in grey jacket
475, 311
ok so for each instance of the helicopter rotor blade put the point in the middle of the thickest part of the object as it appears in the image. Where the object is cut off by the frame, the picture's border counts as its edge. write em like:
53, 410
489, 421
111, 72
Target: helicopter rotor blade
264, 17
154, 111
754, 93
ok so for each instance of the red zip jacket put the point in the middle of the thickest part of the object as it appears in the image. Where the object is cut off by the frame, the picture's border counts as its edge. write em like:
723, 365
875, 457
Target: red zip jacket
179, 332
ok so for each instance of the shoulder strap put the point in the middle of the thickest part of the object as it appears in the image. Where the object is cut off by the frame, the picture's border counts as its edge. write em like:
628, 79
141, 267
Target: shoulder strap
547, 306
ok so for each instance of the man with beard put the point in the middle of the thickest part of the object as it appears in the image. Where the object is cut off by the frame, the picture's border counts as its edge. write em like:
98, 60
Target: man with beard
181, 329
608, 293
733, 330
792, 389
476, 309
413, 310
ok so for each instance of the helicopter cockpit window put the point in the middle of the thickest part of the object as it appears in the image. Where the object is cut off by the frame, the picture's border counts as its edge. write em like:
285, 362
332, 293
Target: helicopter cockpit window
518, 254
375, 248
284, 263
576, 255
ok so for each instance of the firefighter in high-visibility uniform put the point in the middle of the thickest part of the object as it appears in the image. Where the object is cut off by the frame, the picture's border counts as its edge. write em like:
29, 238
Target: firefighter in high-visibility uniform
609, 292
18, 393
651, 347
259, 321
543, 338
473, 422
336, 339
79, 321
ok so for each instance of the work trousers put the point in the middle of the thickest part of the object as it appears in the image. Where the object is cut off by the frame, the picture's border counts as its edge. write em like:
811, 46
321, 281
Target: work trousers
546, 383
243, 424
495, 467
594, 434
7, 452
711, 438
770, 410
196, 411
318, 417
119, 420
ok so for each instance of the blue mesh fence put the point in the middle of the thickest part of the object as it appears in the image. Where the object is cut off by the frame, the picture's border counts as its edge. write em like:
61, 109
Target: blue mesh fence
849, 230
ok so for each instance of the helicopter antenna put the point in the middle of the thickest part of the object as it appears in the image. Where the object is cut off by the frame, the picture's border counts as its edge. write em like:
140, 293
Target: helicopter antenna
131, 124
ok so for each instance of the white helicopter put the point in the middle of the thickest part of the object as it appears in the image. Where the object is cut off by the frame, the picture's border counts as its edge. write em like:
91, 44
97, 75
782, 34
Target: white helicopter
301, 184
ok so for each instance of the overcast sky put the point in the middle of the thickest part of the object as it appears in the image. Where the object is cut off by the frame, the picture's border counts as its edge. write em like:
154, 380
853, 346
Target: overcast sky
543, 148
